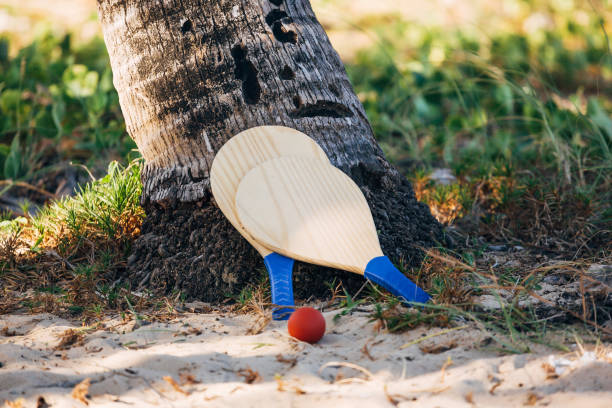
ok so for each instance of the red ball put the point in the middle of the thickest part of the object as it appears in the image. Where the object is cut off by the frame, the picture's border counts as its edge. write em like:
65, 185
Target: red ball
306, 324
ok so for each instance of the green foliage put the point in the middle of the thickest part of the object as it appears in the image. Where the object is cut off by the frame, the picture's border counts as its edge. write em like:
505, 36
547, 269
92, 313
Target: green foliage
516, 99
57, 103
523, 121
347, 304
79, 81
108, 208
105, 213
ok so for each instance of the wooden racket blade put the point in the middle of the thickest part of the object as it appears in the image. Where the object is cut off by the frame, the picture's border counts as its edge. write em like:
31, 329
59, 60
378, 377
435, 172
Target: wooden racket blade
309, 210
235, 159
247, 150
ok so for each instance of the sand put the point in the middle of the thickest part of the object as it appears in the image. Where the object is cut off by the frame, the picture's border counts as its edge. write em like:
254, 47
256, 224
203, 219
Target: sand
214, 362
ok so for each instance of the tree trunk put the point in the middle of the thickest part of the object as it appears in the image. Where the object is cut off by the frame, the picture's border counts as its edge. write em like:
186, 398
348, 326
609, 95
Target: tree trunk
193, 73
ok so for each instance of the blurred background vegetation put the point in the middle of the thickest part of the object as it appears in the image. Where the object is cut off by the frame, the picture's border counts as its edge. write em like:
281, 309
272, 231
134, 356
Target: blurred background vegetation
499, 111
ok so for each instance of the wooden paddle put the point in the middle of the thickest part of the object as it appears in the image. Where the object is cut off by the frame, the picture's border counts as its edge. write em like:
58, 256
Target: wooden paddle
309, 210
233, 161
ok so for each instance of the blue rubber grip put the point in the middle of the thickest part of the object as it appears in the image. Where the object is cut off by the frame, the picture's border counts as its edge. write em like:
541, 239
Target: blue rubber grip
380, 270
280, 269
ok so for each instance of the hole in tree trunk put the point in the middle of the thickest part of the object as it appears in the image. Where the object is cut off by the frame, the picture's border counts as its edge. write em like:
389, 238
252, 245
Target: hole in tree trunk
186, 26
286, 73
282, 34
275, 15
276, 2
297, 101
247, 73
321, 108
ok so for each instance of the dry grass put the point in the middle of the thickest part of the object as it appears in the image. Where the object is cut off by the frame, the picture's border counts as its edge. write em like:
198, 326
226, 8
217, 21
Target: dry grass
66, 258
525, 309
504, 209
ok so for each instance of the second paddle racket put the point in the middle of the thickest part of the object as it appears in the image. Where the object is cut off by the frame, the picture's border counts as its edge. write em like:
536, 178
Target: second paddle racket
309, 210
233, 161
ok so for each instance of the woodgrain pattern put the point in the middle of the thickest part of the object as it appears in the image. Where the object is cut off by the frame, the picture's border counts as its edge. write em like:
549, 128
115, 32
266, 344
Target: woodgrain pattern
309, 210
247, 150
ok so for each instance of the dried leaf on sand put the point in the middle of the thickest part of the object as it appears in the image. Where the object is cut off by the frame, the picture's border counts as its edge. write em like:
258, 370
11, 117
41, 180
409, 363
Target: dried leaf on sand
175, 385
42, 403
188, 379
438, 347
283, 386
18, 403
532, 398
393, 399
250, 376
366, 352
69, 338
551, 373
282, 359
6, 332
79, 392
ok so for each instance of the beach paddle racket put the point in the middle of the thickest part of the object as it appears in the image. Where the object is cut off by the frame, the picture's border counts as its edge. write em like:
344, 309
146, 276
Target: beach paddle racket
233, 161
309, 210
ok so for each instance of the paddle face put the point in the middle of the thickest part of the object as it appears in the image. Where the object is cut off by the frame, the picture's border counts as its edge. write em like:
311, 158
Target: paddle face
309, 210
247, 150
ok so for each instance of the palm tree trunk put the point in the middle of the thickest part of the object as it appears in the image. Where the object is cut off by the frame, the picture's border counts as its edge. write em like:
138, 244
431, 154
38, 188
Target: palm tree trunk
192, 73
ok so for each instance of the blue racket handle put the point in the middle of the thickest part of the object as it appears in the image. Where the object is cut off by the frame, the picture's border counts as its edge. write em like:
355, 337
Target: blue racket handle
380, 270
280, 269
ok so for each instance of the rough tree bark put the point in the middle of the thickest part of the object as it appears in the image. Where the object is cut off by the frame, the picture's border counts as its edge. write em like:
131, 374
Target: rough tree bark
192, 73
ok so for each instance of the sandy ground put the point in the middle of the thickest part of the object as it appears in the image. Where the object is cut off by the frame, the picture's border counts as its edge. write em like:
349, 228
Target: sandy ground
212, 359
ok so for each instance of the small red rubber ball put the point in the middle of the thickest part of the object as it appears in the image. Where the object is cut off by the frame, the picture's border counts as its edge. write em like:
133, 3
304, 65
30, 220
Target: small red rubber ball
306, 324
